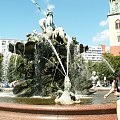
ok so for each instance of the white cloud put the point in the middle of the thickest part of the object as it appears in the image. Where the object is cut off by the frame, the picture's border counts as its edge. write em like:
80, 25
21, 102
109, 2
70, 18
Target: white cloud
104, 23
102, 36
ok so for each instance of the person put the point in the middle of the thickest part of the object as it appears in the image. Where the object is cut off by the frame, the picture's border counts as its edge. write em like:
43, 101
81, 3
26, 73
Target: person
111, 90
116, 89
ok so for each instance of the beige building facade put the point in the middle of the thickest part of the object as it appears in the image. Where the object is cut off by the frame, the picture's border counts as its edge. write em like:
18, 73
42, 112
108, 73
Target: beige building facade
114, 27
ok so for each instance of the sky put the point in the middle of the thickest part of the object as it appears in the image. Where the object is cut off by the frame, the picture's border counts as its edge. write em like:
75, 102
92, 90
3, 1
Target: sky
84, 19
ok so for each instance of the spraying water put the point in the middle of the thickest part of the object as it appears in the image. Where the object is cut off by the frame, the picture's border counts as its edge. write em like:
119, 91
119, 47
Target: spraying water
5, 64
66, 94
54, 65
56, 55
49, 28
68, 52
108, 64
16, 56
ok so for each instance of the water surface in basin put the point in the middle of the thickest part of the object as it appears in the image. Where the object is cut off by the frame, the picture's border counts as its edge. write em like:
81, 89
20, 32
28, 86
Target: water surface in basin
96, 98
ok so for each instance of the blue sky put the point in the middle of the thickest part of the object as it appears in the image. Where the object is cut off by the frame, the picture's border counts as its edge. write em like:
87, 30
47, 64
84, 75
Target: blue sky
84, 19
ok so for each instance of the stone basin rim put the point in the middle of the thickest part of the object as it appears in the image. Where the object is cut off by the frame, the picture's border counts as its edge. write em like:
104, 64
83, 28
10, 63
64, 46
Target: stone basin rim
60, 109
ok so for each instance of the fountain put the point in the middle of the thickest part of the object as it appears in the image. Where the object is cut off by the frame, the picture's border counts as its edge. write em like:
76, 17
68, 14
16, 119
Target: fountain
46, 72
47, 62
5, 62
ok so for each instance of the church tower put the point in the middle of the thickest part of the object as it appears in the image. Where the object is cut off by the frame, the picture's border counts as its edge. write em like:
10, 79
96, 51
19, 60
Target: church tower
114, 27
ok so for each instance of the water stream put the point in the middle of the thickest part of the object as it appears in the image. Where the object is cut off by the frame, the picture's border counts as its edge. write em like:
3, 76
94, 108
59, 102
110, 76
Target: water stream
5, 65
56, 55
108, 64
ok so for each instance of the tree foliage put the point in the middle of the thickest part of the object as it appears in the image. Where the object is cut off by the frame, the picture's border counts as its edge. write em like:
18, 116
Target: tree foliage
102, 67
15, 71
113, 60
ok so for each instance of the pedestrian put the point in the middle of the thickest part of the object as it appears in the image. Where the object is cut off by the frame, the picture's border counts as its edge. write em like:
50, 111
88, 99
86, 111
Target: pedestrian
111, 90
116, 89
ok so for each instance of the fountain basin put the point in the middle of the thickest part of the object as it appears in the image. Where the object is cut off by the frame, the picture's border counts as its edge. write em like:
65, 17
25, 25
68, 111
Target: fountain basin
93, 107
57, 112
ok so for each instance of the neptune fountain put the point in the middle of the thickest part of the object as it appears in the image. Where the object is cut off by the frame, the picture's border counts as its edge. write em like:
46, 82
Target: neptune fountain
50, 65
48, 56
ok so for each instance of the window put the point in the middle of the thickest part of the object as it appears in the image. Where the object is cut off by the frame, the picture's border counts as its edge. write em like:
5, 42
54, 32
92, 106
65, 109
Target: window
117, 24
118, 38
3, 42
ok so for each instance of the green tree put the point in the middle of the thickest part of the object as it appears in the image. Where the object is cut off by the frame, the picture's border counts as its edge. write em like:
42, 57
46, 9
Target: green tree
79, 75
16, 67
102, 70
11, 68
113, 60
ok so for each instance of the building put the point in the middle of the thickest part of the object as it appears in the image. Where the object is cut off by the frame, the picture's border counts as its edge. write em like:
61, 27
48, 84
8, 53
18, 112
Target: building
93, 54
105, 49
4, 49
4, 45
114, 27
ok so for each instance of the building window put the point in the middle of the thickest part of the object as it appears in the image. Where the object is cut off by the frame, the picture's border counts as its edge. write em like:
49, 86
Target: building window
3, 42
118, 38
117, 24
